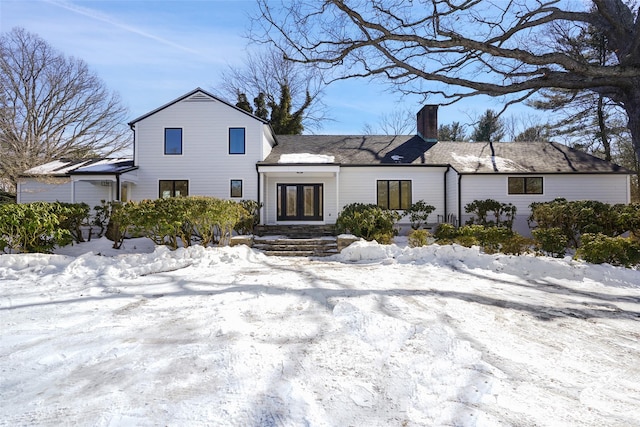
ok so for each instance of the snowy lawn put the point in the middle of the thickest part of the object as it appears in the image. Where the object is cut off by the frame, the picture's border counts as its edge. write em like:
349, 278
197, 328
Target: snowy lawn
376, 336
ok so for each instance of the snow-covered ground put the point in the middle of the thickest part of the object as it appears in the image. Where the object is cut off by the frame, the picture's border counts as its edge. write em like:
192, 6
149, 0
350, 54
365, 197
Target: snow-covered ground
376, 336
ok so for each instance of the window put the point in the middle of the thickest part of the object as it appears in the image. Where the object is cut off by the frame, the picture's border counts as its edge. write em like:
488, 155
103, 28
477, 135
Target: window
174, 188
236, 188
236, 141
173, 141
394, 194
525, 185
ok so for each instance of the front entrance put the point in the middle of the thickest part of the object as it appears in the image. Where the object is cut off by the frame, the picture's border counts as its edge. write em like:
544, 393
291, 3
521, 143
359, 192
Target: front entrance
300, 202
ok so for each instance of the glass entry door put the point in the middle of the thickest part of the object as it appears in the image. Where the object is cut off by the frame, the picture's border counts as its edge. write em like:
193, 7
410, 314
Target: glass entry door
299, 202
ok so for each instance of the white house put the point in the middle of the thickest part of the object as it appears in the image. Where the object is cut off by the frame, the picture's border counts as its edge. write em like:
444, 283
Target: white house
199, 144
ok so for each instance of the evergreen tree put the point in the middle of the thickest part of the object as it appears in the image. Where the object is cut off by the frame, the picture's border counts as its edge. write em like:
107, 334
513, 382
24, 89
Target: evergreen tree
453, 132
489, 128
243, 103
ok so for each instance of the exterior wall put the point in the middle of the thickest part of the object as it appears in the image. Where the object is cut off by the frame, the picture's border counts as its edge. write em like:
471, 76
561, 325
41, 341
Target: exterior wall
61, 189
92, 192
359, 185
50, 190
205, 160
270, 195
452, 194
604, 188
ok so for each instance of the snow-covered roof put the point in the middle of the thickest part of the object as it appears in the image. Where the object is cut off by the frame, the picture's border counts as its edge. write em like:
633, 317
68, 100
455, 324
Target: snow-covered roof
306, 158
65, 167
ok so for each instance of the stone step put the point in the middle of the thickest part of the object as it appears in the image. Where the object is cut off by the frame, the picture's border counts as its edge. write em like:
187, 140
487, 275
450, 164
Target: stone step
283, 246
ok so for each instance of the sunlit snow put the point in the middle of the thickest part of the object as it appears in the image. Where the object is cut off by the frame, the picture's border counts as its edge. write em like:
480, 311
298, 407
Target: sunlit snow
306, 158
380, 335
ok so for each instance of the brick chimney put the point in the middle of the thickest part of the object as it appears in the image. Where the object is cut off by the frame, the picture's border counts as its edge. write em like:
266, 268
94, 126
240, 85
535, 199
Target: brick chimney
428, 123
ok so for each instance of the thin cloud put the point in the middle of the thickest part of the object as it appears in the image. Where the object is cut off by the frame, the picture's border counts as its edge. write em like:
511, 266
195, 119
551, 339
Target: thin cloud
91, 13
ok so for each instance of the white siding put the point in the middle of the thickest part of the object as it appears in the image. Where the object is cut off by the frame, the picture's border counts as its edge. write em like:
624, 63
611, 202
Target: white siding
359, 185
205, 161
452, 193
92, 192
50, 190
604, 188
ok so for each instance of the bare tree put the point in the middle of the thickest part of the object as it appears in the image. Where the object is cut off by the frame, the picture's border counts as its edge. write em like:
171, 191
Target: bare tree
480, 47
397, 122
262, 77
52, 106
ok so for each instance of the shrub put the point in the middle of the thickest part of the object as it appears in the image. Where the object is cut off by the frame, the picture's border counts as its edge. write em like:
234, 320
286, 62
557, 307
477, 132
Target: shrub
445, 233
76, 216
250, 219
585, 216
368, 221
516, 245
419, 213
6, 197
550, 241
489, 238
599, 248
33, 227
418, 238
503, 214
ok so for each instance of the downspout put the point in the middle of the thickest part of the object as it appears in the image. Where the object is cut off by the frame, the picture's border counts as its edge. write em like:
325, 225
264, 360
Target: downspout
445, 192
459, 199
118, 187
260, 208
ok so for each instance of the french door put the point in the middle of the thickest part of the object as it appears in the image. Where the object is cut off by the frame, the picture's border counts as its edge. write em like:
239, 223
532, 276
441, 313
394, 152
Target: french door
299, 202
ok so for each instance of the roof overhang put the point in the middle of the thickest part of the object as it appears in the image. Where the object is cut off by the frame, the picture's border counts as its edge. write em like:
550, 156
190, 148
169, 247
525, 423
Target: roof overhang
281, 168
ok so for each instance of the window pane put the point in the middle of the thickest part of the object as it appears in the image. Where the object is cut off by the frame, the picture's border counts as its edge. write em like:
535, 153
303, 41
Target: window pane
405, 193
383, 196
516, 185
236, 188
292, 200
236, 141
394, 194
308, 200
181, 188
173, 141
124, 193
279, 200
534, 185
166, 189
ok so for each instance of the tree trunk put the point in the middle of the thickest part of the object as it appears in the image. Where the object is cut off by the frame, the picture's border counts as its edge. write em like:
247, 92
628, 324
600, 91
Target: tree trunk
633, 112
602, 126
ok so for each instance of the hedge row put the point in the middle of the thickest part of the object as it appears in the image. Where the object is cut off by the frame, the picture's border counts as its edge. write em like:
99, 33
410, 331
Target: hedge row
41, 226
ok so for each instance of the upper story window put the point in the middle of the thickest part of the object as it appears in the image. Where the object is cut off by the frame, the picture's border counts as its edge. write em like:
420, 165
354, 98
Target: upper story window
236, 141
525, 185
394, 194
173, 141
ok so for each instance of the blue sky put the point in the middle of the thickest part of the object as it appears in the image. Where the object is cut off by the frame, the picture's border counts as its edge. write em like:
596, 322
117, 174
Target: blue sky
152, 52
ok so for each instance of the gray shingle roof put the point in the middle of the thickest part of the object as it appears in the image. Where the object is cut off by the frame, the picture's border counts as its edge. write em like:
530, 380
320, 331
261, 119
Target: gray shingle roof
465, 157
354, 149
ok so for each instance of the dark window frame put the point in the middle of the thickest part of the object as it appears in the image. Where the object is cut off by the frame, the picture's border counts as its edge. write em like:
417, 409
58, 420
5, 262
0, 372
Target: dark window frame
173, 187
526, 185
234, 150
231, 188
387, 202
170, 153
